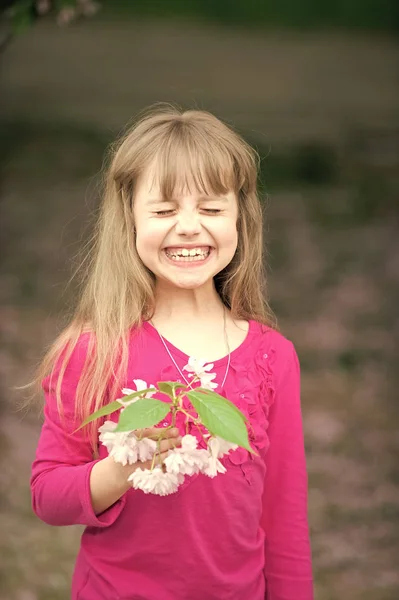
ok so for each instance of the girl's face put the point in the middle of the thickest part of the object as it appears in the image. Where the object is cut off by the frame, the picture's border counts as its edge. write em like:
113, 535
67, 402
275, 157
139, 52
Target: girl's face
185, 242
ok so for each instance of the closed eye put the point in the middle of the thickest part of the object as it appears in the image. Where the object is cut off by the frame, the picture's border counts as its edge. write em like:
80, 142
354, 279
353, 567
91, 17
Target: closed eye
209, 211
164, 213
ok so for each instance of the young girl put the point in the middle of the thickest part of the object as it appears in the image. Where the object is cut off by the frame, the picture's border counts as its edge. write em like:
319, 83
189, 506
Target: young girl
176, 271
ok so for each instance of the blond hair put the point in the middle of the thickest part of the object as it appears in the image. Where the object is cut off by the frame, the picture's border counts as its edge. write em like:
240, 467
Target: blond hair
117, 291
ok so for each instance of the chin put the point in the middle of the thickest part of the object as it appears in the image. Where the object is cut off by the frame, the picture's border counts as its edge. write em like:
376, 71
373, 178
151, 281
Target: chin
188, 285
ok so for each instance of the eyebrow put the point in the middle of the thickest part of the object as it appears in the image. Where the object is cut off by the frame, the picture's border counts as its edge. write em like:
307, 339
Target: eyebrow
152, 201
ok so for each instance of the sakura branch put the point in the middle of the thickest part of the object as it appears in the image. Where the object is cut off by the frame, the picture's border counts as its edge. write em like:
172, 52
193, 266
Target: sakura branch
220, 424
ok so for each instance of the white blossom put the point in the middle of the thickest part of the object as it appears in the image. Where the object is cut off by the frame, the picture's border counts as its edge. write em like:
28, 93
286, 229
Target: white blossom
155, 481
124, 446
146, 448
109, 437
121, 445
213, 467
206, 381
124, 454
198, 367
220, 447
140, 385
186, 460
217, 447
189, 443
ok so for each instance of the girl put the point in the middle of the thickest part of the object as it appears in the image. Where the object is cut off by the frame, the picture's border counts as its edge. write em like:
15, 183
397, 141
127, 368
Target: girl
176, 271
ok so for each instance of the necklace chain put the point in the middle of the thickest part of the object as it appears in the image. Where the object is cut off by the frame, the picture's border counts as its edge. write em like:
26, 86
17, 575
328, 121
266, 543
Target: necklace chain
227, 344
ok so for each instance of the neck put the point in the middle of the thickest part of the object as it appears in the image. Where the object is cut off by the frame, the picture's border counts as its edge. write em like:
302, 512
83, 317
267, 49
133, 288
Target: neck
184, 306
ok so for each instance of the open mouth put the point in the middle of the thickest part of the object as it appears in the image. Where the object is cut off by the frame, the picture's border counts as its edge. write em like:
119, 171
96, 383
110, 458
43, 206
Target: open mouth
188, 255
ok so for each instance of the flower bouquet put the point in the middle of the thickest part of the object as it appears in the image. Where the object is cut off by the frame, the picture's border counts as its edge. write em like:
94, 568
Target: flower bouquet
196, 406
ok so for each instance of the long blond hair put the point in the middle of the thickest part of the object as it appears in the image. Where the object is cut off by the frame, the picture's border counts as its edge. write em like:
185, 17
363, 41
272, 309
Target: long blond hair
117, 290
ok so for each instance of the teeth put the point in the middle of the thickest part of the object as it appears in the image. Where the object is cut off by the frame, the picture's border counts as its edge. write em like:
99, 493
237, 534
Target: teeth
193, 254
187, 252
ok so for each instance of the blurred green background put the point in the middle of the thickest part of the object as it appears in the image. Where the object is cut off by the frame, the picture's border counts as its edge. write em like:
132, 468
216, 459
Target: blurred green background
314, 86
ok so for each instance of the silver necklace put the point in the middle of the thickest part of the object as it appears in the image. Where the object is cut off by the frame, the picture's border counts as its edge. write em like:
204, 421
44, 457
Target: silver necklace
176, 365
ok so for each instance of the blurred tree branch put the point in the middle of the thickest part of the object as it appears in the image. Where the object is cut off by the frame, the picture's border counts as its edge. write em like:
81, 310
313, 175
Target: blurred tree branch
17, 15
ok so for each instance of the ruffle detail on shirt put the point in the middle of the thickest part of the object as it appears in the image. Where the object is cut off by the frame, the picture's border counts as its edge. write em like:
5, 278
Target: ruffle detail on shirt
255, 385
251, 387
170, 372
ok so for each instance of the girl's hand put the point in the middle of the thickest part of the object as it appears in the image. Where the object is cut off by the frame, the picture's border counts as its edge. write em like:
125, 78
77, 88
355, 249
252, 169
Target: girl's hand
169, 439
108, 479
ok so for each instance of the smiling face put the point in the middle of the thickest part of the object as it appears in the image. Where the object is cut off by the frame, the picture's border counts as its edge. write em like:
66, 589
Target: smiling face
187, 239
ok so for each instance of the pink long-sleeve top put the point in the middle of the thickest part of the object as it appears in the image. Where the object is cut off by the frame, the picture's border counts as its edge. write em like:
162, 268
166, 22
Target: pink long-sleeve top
242, 535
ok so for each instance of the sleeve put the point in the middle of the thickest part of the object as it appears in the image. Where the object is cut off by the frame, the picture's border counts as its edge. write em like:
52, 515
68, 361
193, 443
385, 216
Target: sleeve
288, 562
60, 479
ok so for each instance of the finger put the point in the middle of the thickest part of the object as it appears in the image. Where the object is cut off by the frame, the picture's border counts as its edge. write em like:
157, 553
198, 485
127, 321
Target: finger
169, 444
173, 432
158, 460
156, 433
161, 457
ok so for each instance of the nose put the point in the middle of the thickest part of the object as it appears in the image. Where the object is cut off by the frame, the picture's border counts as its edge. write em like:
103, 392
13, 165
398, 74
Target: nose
188, 223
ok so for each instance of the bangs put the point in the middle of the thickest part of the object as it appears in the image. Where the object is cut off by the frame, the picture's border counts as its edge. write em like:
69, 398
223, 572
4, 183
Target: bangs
188, 162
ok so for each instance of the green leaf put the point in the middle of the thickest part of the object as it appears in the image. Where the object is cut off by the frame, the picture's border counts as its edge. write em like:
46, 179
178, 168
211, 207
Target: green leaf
223, 399
138, 393
220, 417
104, 410
169, 387
145, 412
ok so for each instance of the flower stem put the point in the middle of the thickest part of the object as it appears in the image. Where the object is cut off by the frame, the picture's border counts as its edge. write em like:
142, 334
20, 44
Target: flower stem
202, 435
185, 412
157, 451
